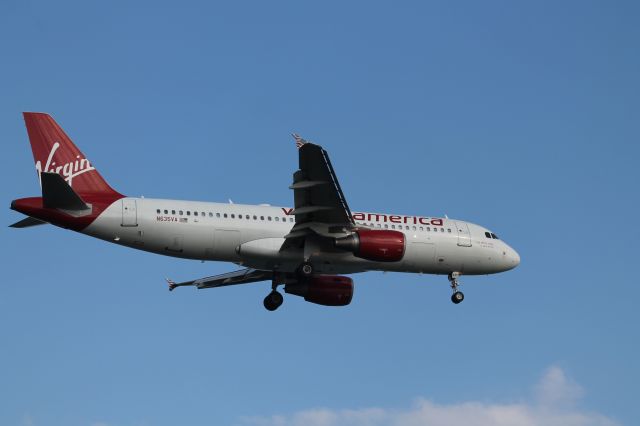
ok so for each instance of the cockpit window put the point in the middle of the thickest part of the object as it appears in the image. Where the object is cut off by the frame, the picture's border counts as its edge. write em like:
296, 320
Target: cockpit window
494, 236
487, 234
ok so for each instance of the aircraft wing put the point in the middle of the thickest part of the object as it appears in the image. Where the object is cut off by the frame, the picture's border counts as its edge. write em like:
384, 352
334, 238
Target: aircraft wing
243, 276
320, 207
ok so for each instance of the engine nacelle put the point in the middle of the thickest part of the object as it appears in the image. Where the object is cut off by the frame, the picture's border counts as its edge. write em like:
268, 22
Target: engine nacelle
375, 245
327, 290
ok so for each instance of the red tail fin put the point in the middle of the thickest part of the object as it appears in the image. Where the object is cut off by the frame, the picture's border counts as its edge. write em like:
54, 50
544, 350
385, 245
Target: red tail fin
54, 152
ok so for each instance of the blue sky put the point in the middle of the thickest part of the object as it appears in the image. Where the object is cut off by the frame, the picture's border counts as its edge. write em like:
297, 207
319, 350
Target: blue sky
520, 117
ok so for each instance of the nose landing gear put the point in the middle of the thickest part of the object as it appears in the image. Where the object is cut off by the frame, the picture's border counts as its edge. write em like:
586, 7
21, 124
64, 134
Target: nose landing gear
457, 295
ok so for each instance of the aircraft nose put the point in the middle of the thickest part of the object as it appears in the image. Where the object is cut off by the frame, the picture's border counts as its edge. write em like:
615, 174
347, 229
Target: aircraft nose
515, 258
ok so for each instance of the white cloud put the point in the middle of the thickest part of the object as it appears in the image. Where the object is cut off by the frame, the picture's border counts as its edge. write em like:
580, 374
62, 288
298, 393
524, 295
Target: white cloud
554, 404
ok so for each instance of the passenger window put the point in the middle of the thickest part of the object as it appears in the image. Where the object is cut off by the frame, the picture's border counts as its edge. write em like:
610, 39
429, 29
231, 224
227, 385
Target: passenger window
195, 213
386, 226
180, 212
158, 211
422, 229
188, 213
379, 226
225, 215
441, 229
277, 219
233, 216
290, 219
269, 217
173, 212
255, 217
393, 227
166, 212
261, 217
449, 230
239, 216
210, 214
428, 229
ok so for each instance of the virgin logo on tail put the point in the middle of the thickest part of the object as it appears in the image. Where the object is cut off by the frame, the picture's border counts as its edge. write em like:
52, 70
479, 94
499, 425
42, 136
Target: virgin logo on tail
68, 170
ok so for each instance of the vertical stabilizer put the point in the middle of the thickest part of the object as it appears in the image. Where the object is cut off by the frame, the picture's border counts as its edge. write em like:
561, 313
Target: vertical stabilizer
54, 152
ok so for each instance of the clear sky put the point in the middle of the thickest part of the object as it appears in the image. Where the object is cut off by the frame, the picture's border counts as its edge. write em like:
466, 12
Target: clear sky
520, 116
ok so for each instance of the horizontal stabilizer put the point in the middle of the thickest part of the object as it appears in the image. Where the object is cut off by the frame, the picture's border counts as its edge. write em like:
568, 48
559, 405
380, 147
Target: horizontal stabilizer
27, 222
57, 194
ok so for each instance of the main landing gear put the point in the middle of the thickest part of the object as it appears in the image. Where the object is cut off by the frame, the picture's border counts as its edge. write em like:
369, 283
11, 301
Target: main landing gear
273, 299
457, 296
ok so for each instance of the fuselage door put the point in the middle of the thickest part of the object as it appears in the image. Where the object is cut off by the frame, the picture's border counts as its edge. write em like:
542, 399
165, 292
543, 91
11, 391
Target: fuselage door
464, 236
129, 212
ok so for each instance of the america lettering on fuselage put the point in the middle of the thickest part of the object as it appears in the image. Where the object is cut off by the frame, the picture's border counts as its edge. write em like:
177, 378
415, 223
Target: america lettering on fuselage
302, 248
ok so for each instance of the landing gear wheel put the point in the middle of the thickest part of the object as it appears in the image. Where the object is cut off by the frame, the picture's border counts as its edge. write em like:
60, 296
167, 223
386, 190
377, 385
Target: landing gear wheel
273, 301
457, 297
306, 270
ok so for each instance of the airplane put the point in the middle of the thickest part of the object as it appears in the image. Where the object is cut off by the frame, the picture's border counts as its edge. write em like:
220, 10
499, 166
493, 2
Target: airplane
308, 249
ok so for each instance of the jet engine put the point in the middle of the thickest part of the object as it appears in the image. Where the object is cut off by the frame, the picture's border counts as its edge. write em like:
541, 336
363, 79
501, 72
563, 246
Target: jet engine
375, 245
327, 290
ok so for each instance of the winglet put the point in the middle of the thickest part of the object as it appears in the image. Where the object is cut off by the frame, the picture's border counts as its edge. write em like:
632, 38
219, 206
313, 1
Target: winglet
299, 140
172, 284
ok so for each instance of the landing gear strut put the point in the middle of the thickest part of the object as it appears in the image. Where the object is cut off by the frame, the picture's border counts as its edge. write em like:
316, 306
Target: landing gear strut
273, 299
457, 296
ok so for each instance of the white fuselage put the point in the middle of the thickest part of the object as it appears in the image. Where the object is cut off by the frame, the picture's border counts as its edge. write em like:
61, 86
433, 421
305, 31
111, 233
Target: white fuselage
225, 232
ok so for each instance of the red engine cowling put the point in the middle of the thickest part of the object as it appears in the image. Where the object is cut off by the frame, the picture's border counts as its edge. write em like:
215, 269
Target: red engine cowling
327, 290
371, 244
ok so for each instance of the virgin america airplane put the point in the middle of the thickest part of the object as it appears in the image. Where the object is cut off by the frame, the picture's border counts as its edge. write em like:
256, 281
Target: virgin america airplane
307, 248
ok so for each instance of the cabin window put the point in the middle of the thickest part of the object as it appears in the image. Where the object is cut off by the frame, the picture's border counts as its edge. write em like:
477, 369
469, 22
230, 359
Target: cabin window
217, 214
158, 211
393, 227
188, 213
449, 230
428, 229
290, 219
277, 219
210, 214
441, 229
239, 216
225, 215
166, 212
261, 217
269, 218
173, 212
180, 212
233, 216
386, 226
195, 213
255, 217
422, 229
